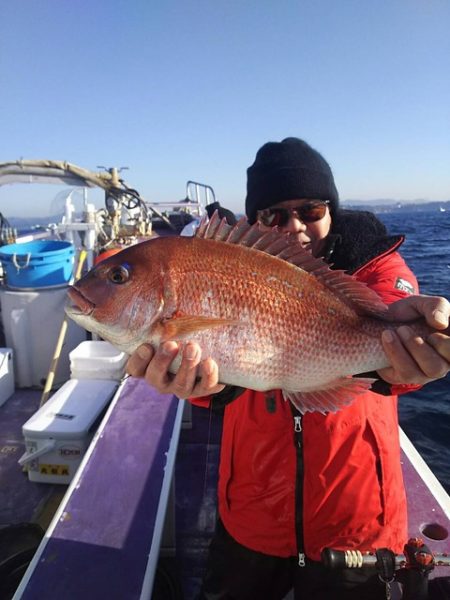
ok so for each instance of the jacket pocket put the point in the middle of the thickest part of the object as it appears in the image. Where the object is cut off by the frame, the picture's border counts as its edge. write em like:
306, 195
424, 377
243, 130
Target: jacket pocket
226, 465
371, 435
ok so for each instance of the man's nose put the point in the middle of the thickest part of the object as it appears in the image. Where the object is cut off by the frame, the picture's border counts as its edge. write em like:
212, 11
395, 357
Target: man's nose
294, 224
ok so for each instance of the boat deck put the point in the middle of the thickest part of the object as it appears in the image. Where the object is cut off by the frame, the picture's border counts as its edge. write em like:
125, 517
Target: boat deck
22, 501
140, 437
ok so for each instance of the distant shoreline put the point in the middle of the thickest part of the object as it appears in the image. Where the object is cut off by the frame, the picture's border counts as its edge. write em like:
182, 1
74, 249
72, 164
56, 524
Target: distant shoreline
397, 205
378, 206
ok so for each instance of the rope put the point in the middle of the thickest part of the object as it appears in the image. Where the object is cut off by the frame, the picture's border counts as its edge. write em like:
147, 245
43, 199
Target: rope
24, 266
61, 337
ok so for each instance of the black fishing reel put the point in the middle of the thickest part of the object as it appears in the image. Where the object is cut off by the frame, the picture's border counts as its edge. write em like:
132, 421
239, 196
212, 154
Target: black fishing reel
411, 569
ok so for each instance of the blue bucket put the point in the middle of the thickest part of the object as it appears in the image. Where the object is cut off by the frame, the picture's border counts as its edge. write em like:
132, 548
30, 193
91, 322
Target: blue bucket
43, 263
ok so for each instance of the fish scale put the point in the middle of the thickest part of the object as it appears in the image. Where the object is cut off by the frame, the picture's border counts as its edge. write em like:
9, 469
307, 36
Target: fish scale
270, 321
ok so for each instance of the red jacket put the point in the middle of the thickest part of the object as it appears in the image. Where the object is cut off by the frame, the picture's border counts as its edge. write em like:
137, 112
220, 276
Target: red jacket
347, 474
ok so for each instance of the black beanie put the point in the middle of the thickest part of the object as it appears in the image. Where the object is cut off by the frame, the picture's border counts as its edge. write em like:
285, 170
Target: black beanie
287, 170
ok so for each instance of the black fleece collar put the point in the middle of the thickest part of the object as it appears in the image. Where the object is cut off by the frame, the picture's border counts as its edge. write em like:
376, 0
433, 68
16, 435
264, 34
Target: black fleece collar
356, 237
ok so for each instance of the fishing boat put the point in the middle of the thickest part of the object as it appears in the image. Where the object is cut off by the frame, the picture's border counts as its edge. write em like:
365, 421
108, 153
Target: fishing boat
124, 506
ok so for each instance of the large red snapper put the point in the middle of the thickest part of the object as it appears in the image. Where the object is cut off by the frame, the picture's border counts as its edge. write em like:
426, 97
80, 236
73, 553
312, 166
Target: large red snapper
269, 314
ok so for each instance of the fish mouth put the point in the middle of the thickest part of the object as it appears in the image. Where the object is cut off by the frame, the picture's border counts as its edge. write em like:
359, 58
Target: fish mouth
80, 305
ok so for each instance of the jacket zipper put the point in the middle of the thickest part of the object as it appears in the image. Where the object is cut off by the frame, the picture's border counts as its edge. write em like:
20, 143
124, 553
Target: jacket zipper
298, 441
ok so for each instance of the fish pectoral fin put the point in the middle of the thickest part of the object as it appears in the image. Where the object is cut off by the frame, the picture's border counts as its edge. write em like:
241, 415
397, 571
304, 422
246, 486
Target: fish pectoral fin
331, 397
186, 325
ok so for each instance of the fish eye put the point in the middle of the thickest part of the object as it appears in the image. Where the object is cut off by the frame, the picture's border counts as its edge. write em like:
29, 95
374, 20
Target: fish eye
119, 274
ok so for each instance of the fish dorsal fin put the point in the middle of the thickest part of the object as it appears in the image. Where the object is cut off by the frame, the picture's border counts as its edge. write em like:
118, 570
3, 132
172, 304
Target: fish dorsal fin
285, 246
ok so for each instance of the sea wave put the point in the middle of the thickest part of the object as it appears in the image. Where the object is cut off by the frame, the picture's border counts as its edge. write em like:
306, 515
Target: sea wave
425, 414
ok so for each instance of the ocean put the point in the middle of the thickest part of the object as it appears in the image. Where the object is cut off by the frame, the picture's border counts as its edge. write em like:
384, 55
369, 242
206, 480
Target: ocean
425, 414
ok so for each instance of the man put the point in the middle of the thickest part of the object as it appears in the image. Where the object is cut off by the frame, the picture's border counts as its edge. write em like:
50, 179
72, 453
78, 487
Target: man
291, 485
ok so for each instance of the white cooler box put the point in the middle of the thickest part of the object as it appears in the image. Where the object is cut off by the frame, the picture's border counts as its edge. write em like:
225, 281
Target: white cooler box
58, 434
97, 360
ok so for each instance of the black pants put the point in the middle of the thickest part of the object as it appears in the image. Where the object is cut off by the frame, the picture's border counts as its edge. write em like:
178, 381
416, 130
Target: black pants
237, 573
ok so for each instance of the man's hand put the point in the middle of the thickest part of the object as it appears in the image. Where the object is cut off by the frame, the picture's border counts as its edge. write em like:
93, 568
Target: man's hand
415, 360
195, 378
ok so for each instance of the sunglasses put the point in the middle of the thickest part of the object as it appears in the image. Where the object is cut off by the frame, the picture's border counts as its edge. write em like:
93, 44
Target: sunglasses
308, 212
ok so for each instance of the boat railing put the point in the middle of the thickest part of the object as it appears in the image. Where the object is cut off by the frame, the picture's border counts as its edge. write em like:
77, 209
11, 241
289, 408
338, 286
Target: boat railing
198, 196
126, 218
200, 193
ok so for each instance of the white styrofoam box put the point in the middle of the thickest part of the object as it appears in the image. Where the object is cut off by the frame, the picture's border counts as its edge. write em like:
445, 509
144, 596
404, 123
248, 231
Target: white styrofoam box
97, 360
32, 322
6, 374
58, 434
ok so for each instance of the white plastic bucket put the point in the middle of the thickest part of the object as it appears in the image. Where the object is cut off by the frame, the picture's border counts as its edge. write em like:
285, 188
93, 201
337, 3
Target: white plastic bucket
97, 360
32, 322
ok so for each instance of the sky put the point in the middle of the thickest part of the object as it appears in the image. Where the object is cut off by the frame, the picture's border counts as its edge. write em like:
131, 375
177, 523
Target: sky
181, 90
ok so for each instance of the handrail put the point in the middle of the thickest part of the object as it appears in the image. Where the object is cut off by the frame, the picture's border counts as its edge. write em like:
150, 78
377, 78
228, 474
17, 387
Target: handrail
53, 171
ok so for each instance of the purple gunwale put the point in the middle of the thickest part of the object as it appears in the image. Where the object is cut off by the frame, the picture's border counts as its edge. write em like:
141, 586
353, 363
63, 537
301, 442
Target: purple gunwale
428, 503
104, 540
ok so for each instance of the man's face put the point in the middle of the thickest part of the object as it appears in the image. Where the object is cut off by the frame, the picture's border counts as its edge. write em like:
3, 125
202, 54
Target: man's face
310, 230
